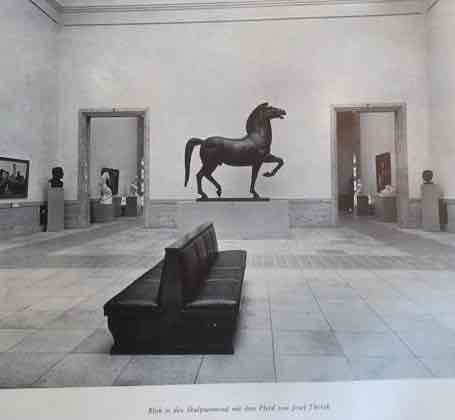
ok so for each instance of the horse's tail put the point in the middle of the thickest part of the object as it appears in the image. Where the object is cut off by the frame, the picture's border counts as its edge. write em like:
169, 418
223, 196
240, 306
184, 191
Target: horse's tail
188, 151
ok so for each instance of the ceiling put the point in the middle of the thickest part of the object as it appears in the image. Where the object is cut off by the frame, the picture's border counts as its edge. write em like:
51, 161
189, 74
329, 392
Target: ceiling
82, 3
118, 12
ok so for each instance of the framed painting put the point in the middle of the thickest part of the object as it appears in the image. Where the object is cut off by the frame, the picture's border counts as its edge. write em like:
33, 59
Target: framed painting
13, 178
383, 171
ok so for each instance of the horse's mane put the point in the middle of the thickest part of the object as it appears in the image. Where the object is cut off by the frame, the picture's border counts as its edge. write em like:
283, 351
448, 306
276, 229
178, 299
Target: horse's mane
250, 123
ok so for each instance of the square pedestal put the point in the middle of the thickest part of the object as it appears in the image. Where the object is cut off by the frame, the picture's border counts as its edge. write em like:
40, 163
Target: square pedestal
131, 207
237, 219
386, 209
117, 203
431, 194
451, 216
102, 213
363, 208
55, 209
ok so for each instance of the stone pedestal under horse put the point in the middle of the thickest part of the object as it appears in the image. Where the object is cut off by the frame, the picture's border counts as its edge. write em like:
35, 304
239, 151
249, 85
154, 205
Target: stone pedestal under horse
252, 150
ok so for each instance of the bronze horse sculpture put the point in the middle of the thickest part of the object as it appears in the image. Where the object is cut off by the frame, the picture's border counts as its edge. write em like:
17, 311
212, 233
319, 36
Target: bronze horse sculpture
251, 150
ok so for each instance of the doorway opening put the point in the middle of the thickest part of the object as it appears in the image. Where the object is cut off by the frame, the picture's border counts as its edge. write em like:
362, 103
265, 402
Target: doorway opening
370, 162
128, 190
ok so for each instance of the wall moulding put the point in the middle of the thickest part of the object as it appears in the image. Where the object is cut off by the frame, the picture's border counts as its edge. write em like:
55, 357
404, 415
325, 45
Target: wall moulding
148, 12
50, 8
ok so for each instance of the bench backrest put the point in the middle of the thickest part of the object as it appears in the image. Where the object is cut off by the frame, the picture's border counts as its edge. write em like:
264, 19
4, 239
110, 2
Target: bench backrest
187, 262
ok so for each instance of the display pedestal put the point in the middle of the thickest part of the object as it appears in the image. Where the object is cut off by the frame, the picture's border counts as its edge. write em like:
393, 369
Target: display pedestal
131, 207
386, 209
55, 209
249, 219
431, 194
117, 203
363, 208
102, 213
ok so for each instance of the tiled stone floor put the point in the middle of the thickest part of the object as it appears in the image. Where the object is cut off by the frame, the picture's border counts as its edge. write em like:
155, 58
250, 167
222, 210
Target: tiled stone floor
362, 301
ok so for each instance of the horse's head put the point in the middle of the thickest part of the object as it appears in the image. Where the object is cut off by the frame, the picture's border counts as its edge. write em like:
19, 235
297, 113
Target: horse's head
270, 112
262, 114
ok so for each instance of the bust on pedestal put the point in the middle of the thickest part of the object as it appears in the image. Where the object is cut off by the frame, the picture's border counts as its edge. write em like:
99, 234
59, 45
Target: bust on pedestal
431, 194
55, 201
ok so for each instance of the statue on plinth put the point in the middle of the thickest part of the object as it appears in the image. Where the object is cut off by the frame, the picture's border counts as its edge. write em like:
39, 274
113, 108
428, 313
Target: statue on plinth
106, 192
57, 175
251, 150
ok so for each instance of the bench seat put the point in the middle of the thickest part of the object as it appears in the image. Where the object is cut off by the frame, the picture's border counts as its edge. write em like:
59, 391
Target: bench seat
188, 303
139, 296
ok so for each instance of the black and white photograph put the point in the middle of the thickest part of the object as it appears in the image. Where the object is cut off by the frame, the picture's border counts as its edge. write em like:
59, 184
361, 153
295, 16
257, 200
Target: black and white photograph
227, 192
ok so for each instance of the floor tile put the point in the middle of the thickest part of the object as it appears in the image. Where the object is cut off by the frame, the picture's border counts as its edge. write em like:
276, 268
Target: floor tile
430, 343
84, 370
9, 338
354, 320
236, 368
28, 319
313, 369
255, 342
77, 319
51, 341
372, 344
160, 370
292, 320
441, 367
100, 341
55, 303
23, 369
388, 368
311, 343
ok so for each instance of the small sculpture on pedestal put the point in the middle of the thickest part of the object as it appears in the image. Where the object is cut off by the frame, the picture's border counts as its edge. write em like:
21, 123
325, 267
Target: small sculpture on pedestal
388, 191
55, 201
106, 192
57, 175
431, 194
427, 176
134, 187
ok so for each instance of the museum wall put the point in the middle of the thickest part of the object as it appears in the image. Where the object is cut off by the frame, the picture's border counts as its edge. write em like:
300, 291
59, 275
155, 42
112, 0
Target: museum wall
203, 79
377, 136
441, 64
28, 103
113, 145
28, 91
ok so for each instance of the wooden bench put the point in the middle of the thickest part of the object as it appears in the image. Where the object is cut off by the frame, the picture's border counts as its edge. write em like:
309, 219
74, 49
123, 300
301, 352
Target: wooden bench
188, 303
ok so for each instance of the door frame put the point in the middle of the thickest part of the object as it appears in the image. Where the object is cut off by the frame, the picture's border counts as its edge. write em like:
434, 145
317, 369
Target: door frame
143, 142
401, 150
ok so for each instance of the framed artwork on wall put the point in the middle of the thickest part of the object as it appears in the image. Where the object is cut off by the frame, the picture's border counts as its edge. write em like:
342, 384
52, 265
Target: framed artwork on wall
13, 178
383, 171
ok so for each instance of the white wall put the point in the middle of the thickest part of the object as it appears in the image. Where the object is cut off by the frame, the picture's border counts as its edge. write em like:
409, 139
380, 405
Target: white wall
377, 136
113, 145
441, 64
203, 79
28, 90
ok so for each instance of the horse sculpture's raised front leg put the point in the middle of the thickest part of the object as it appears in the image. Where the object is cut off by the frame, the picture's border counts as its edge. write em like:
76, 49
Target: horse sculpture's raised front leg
199, 176
273, 159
